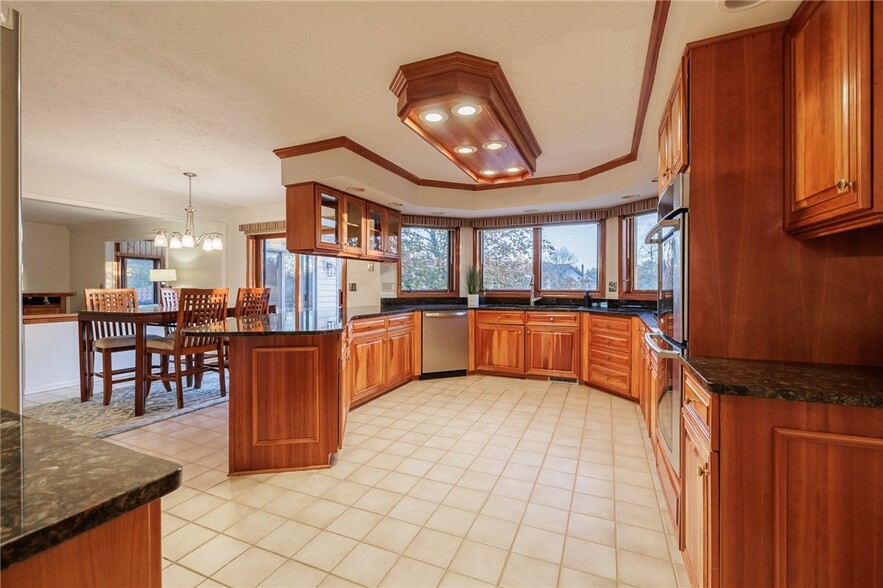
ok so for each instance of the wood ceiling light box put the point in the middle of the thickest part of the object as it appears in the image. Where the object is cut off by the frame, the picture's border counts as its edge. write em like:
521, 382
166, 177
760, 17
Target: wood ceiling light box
441, 85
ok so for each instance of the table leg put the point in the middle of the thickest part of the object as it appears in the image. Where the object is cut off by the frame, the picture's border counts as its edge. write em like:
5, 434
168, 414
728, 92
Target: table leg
140, 375
84, 340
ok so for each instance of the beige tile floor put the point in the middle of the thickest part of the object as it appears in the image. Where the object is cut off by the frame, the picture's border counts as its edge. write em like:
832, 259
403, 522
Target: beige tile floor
472, 481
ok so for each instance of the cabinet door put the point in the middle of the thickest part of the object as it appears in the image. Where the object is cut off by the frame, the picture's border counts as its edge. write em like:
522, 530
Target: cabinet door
329, 208
552, 351
354, 225
829, 116
345, 390
664, 171
677, 127
368, 366
499, 348
696, 501
399, 356
391, 234
374, 231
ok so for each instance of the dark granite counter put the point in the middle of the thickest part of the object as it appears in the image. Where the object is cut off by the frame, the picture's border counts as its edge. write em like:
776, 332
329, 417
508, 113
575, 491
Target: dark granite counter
57, 484
825, 383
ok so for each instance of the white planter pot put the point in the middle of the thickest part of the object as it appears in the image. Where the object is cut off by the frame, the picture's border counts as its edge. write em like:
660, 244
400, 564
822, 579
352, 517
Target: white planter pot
472, 299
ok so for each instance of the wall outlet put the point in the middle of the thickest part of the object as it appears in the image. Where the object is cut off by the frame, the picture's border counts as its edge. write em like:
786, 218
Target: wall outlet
611, 286
353, 287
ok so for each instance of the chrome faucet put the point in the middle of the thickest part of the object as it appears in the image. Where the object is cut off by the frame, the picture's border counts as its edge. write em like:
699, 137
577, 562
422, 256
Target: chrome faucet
533, 296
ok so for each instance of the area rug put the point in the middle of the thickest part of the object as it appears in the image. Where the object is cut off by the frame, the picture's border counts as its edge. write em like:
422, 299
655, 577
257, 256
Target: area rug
93, 418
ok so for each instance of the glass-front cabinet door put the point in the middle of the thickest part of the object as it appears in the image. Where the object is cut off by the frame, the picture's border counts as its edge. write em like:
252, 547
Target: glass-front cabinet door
392, 233
354, 225
330, 206
375, 228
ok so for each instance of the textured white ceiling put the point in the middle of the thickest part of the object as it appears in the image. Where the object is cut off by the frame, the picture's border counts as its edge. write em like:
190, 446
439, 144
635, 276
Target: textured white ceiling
137, 92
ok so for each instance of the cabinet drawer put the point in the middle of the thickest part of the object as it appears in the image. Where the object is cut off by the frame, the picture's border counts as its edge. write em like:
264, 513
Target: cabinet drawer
501, 317
610, 378
619, 325
552, 318
697, 400
608, 340
399, 321
368, 325
603, 357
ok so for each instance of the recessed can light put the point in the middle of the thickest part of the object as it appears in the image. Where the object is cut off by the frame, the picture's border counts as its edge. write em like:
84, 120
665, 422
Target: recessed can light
437, 213
494, 145
397, 204
513, 169
465, 149
355, 189
529, 210
433, 116
466, 109
488, 172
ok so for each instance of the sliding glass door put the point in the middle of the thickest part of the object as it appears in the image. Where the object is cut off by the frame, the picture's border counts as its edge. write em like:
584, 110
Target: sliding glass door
299, 283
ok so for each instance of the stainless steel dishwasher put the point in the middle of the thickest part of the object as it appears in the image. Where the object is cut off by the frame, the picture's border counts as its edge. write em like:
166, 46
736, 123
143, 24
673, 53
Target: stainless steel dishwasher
445, 343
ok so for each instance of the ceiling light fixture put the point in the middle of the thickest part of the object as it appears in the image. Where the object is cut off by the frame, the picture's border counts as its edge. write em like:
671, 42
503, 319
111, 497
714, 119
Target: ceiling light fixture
488, 172
480, 107
437, 213
465, 109
176, 240
396, 204
514, 169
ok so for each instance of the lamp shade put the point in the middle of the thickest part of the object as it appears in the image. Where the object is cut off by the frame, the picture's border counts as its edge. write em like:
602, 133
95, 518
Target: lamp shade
163, 275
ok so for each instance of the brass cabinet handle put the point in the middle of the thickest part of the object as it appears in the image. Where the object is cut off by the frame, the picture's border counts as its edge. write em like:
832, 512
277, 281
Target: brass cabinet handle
703, 471
843, 184
689, 401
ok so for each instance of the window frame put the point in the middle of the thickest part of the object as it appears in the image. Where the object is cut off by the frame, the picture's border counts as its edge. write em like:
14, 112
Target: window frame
453, 289
478, 253
627, 243
123, 258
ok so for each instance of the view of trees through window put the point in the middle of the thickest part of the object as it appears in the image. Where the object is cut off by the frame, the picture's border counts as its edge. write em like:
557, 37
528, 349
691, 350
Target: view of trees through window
570, 257
426, 259
136, 274
643, 255
506, 258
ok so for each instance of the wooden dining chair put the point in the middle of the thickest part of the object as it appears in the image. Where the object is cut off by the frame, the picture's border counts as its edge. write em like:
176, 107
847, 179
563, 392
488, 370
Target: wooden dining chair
111, 337
196, 307
169, 297
252, 302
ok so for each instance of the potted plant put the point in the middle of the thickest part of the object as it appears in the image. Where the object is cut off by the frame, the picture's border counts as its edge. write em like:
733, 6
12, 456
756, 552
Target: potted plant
473, 284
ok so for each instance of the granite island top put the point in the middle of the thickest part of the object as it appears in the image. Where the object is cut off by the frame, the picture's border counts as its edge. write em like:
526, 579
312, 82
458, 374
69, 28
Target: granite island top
328, 323
805, 382
57, 484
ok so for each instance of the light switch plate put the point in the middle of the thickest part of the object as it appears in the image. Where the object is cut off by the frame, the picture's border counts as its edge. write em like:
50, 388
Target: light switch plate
353, 287
611, 286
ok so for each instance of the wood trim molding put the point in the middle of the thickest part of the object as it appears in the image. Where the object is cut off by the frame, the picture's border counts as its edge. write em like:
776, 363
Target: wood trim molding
657, 30
263, 227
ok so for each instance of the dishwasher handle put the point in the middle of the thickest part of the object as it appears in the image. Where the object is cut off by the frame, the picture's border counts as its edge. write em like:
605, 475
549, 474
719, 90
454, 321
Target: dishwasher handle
444, 314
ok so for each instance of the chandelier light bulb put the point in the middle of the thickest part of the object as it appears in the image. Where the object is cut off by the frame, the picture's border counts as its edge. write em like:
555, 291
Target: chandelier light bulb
207, 245
217, 243
175, 242
160, 240
188, 241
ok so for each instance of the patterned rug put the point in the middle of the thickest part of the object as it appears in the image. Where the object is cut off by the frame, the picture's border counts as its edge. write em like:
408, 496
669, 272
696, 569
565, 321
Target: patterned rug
93, 418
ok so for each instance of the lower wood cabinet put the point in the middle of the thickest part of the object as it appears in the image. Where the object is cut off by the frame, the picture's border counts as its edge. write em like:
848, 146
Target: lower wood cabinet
382, 355
697, 476
399, 356
499, 348
552, 351
607, 348
368, 360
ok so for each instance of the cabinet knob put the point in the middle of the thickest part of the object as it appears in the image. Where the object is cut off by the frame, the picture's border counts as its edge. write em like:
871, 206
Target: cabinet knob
843, 184
703, 470
689, 401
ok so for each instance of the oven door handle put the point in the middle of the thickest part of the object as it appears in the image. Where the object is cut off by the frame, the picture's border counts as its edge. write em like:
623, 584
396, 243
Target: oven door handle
663, 353
652, 239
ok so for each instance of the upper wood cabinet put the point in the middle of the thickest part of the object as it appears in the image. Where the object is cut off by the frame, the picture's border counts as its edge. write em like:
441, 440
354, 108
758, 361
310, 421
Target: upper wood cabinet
323, 221
673, 132
829, 86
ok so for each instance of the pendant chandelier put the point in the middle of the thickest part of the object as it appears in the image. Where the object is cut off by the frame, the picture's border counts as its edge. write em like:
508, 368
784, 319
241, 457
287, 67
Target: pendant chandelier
176, 240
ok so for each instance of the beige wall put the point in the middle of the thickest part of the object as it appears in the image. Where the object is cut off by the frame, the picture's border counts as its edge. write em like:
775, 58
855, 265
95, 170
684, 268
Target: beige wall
366, 275
45, 252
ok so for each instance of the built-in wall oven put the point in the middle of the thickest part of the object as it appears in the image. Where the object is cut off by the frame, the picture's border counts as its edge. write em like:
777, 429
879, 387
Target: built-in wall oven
669, 340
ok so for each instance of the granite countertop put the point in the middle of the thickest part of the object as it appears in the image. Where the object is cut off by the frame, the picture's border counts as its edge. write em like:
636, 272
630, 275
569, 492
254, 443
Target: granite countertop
805, 382
57, 484
330, 322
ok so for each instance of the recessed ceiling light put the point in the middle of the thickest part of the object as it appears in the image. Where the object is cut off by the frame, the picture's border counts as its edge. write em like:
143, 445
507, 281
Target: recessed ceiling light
397, 204
465, 149
466, 109
488, 172
437, 213
433, 116
514, 169
627, 196
494, 145
654, 180
737, 5
532, 210
355, 189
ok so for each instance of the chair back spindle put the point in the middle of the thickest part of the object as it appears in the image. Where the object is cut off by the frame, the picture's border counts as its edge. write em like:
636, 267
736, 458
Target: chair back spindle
252, 302
111, 299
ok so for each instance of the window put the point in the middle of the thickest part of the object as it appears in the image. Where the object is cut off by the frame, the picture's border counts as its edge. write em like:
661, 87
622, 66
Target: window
570, 257
135, 273
562, 259
297, 282
639, 259
428, 258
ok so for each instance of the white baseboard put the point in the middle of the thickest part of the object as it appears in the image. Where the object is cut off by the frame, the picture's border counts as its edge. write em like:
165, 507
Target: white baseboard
53, 386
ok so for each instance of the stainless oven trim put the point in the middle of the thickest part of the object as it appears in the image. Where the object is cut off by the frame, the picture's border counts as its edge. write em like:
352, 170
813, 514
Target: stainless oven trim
649, 336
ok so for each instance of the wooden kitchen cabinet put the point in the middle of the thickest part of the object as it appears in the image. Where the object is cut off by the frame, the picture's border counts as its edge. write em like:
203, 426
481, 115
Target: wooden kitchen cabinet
322, 221
552, 344
829, 121
607, 344
346, 380
499, 348
699, 475
382, 354
369, 361
673, 132
399, 355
